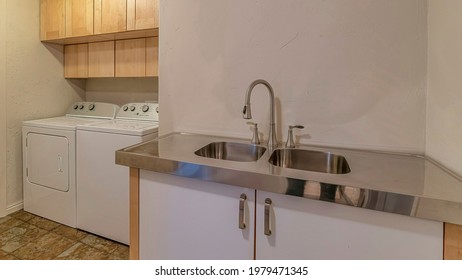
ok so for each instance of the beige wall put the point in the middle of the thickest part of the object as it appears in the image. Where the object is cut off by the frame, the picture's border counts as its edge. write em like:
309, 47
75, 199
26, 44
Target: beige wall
34, 85
444, 97
122, 90
352, 72
2, 110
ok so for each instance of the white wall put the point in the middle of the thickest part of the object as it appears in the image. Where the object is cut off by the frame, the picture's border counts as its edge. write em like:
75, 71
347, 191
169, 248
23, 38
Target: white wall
444, 97
34, 85
2, 110
352, 72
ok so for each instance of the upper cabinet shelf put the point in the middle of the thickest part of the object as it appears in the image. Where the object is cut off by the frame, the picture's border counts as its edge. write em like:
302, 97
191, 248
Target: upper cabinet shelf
82, 21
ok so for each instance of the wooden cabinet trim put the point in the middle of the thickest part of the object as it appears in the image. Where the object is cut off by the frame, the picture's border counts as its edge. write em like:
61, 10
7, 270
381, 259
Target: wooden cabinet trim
152, 57
134, 251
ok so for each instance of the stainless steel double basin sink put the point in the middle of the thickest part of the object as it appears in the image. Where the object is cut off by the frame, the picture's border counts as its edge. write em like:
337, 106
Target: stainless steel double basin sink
301, 159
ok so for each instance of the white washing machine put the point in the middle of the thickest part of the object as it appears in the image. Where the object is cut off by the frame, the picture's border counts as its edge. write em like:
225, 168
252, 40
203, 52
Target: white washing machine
49, 150
102, 186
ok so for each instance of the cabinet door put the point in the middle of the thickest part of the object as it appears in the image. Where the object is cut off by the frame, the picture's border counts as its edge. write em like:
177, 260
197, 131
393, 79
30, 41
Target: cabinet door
79, 18
52, 19
142, 14
152, 56
110, 16
101, 59
184, 218
452, 242
76, 61
131, 58
310, 229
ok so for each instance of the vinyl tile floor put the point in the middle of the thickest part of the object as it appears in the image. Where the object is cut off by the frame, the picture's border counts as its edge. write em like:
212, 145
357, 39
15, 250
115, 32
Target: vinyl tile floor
24, 236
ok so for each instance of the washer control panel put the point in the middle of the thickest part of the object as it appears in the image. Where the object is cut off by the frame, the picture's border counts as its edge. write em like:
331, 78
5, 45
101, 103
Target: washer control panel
139, 111
93, 109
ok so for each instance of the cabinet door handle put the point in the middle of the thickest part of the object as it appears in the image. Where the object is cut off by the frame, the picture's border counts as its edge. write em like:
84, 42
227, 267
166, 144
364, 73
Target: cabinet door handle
242, 200
267, 229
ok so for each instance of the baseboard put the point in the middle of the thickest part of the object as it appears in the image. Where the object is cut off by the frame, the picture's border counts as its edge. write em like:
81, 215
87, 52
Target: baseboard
15, 207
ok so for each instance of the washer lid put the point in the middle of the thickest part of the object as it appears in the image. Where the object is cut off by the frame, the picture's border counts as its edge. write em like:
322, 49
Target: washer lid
126, 127
66, 123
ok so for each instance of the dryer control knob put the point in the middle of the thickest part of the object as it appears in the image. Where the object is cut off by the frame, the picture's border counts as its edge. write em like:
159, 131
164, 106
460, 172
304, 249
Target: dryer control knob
81, 107
157, 110
76, 106
91, 107
132, 108
145, 108
125, 108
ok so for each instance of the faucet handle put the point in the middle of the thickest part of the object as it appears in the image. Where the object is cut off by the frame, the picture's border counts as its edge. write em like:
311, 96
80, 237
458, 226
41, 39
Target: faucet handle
255, 139
290, 136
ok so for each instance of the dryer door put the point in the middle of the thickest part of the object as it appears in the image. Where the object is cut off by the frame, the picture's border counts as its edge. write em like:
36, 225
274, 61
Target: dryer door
48, 161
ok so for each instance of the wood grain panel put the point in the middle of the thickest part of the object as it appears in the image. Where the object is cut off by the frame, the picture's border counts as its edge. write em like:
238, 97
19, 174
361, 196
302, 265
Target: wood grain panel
52, 19
134, 213
76, 61
131, 14
152, 56
110, 16
101, 59
452, 242
131, 58
142, 14
79, 18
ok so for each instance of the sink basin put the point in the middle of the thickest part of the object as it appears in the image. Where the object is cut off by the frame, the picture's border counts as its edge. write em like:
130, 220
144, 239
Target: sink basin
310, 161
231, 151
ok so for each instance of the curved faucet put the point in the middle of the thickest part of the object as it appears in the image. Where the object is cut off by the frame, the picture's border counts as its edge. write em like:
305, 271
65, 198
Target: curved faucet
272, 141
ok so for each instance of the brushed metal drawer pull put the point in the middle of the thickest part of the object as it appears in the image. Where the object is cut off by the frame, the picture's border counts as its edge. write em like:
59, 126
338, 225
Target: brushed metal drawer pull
242, 200
267, 229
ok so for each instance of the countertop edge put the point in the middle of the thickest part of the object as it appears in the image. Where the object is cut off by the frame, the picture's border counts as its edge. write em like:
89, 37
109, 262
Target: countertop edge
390, 202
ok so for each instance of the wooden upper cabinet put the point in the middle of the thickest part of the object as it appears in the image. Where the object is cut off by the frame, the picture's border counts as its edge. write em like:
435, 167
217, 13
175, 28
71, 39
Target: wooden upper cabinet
452, 242
130, 58
110, 16
71, 22
76, 61
52, 19
142, 14
101, 59
152, 56
79, 18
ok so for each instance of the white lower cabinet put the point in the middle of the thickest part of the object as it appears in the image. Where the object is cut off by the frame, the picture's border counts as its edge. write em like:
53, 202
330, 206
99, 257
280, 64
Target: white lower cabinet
184, 218
311, 229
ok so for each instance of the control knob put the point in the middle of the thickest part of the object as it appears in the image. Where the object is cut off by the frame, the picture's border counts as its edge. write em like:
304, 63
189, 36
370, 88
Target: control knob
91, 107
132, 108
76, 106
81, 107
145, 108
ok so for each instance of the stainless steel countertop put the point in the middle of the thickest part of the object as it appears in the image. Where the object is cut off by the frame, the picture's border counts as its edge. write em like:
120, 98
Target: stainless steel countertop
406, 184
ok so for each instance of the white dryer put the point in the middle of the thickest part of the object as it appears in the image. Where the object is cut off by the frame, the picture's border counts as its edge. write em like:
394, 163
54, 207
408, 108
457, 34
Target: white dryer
102, 186
49, 151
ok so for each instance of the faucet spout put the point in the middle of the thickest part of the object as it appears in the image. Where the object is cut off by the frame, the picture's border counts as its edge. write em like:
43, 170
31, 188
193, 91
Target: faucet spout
272, 140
